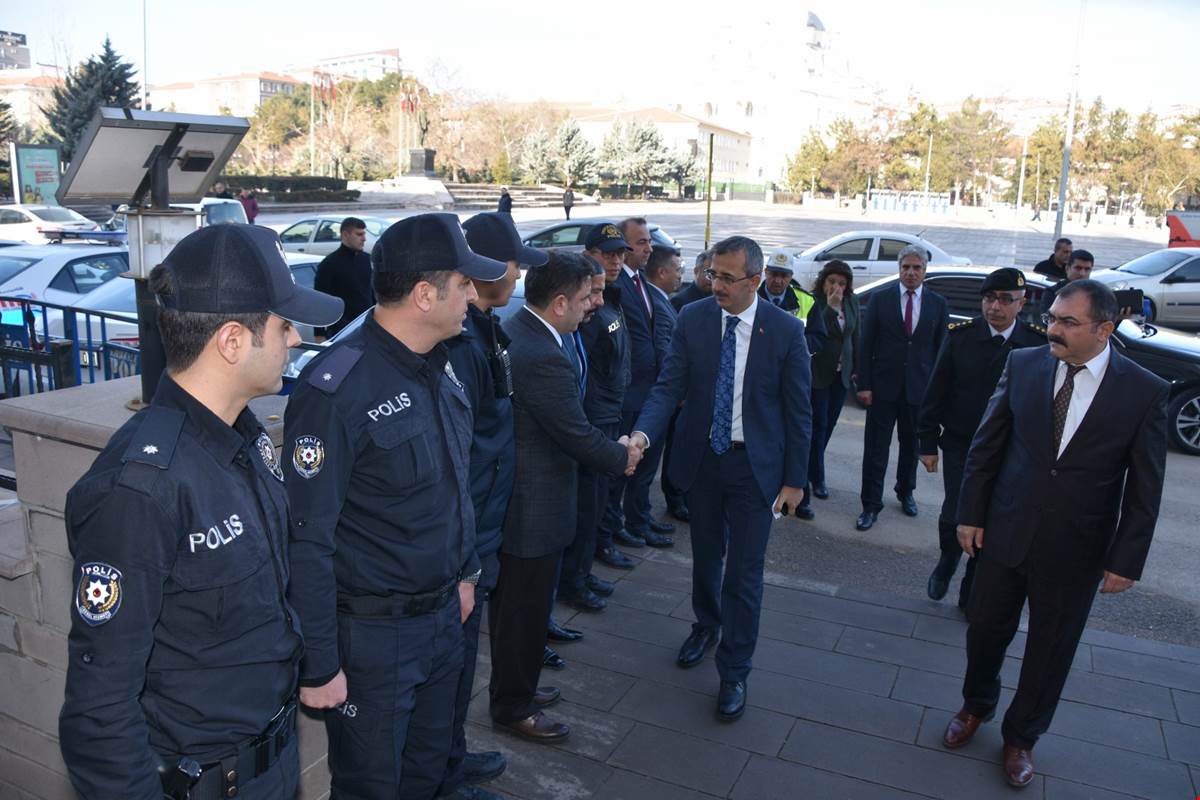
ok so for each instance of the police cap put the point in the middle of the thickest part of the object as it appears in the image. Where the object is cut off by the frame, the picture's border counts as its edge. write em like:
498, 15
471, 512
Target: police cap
241, 269
432, 243
780, 261
1005, 279
605, 237
494, 235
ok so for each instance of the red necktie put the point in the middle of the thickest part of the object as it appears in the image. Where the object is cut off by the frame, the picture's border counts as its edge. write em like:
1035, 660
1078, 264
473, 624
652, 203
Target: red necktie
908, 315
645, 298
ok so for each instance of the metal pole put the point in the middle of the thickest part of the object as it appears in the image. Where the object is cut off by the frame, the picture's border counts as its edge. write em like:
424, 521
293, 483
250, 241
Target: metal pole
1064, 176
812, 186
1021, 182
1037, 189
928, 158
400, 131
708, 186
145, 59
312, 115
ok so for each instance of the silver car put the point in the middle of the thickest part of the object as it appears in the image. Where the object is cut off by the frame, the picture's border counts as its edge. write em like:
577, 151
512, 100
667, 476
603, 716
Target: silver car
1169, 279
321, 234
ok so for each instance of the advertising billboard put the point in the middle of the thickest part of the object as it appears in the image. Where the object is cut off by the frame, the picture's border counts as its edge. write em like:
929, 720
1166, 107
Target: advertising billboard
36, 172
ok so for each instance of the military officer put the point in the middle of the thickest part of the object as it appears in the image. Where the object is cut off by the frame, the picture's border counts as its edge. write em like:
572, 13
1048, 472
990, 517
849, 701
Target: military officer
966, 372
183, 647
378, 436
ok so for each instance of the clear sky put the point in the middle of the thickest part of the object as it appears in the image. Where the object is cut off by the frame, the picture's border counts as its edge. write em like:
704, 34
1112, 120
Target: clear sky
1136, 53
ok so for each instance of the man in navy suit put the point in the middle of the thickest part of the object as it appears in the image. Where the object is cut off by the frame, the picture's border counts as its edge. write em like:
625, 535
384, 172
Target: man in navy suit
1060, 496
627, 518
741, 368
902, 331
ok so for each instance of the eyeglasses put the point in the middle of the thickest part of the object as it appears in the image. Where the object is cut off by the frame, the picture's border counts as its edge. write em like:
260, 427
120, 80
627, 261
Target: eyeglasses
1070, 323
717, 277
1002, 299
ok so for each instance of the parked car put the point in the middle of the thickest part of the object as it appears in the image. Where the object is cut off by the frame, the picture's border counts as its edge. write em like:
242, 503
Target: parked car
213, 211
1171, 355
62, 274
572, 235
30, 223
1169, 279
321, 234
871, 254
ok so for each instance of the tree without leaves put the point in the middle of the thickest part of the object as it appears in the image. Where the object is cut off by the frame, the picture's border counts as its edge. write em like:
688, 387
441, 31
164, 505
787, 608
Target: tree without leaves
103, 80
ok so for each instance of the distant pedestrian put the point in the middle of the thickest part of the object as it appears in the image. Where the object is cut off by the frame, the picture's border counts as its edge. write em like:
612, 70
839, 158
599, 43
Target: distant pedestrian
346, 273
568, 201
1037, 214
1087, 217
219, 190
505, 204
246, 198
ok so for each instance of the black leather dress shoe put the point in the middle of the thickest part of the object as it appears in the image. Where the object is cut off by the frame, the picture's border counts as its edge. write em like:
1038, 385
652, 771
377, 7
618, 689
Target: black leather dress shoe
629, 539
599, 585
614, 558
731, 700
939, 579
820, 491
483, 767
696, 645
661, 527
680, 512
866, 520
545, 696
584, 600
805, 512
552, 659
557, 633
653, 539
908, 504
538, 728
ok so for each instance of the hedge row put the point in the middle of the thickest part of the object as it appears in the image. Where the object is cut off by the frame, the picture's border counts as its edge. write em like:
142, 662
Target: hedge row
282, 184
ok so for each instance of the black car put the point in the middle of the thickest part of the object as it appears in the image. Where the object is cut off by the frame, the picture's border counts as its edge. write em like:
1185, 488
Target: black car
572, 235
1169, 354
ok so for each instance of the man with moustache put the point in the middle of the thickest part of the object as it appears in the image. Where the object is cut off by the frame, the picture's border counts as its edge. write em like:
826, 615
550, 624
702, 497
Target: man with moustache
378, 434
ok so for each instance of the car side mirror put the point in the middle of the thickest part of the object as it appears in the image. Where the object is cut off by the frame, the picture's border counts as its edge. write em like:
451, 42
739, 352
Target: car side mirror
822, 257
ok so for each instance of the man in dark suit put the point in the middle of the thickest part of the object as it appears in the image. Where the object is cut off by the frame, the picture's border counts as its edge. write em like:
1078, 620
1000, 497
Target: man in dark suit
1056, 265
626, 519
741, 368
902, 330
968, 368
1080, 268
699, 288
664, 272
1060, 495
552, 438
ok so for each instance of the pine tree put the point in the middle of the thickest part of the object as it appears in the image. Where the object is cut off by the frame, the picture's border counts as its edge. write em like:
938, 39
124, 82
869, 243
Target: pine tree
537, 157
577, 156
8, 126
103, 80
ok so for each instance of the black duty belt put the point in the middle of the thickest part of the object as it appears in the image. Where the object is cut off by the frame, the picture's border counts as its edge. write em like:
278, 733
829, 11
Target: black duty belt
396, 604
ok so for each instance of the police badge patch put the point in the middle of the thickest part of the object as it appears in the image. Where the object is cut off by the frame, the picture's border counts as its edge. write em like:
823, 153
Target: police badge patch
309, 456
266, 451
98, 597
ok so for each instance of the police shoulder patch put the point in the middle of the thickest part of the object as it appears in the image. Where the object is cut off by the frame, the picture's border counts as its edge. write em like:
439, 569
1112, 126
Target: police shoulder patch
155, 437
308, 456
960, 325
98, 596
266, 451
328, 374
1036, 328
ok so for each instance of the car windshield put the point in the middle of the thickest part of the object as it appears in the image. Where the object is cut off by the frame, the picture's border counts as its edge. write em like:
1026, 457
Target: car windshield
57, 215
225, 212
376, 227
116, 295
1154, 263
9, 266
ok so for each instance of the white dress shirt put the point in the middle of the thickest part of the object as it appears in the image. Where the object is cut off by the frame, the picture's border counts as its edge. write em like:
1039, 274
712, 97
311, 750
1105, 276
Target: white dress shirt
549, 327
1007, 332
1087, 381
916, 303
633, 276
744, 333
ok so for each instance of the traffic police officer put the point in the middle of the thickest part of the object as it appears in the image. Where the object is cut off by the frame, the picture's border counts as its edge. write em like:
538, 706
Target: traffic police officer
183, 649
779, 288
377, 437
480, 359
968, 367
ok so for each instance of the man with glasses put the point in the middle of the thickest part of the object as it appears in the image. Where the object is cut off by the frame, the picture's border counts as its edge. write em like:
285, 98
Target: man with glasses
740, 366
1060, 496
968, 368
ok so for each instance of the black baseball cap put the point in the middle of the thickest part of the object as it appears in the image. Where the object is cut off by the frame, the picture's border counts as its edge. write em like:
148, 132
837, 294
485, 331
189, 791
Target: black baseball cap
1005, 279
432, 243
241, 269
605, 237
494, 235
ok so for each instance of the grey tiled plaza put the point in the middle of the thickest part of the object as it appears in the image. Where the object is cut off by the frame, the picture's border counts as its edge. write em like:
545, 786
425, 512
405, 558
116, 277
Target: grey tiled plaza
848, 698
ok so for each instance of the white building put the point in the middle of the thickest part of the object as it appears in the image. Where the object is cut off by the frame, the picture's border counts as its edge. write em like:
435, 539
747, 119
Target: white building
369, 66
239, 95
28, 91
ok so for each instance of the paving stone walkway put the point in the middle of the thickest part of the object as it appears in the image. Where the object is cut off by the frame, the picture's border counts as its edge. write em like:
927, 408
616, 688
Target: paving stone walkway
848, 698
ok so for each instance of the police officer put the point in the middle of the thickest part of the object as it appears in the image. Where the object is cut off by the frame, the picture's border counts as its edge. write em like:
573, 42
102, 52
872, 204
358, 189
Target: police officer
377, 438
183, 648
966, 372
779, 288
480, 359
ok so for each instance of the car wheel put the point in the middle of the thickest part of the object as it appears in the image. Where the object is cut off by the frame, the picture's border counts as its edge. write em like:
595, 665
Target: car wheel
1183, 421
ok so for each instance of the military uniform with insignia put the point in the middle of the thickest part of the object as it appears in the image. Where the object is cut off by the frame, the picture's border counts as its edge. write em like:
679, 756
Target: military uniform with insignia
378, 443
968, 367
183, 647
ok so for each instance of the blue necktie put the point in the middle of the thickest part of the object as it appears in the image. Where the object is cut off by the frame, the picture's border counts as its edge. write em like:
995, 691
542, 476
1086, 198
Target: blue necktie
583, 364
722, 424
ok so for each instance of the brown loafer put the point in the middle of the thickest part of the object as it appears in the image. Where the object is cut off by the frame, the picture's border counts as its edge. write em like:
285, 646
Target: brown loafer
1018, 766
961, 729
546, 696
538, 728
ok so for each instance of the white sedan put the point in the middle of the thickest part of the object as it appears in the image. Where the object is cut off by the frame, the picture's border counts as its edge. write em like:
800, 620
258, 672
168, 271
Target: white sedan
321, 235
61, 273
31, 223
870, 254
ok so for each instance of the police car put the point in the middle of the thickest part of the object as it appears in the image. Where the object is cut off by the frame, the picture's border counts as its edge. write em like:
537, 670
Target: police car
61, 274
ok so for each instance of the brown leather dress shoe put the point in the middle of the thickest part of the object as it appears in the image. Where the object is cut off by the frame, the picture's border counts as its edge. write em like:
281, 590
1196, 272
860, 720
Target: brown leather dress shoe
546, 696
961, 729
538, 728
1018, 766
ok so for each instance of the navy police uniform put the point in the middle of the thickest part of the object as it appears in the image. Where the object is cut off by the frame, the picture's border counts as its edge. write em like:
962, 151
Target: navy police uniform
968, 367
183, 648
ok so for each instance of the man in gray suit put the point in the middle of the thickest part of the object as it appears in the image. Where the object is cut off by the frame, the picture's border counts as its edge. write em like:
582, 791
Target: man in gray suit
553, 437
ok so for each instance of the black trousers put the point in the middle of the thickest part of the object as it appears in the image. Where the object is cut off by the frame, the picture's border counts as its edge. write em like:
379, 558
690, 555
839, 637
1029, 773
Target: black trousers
884, 416
1060, 590
629, 498
590, 502
953, 462
731, 523
517, 614
672, 494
